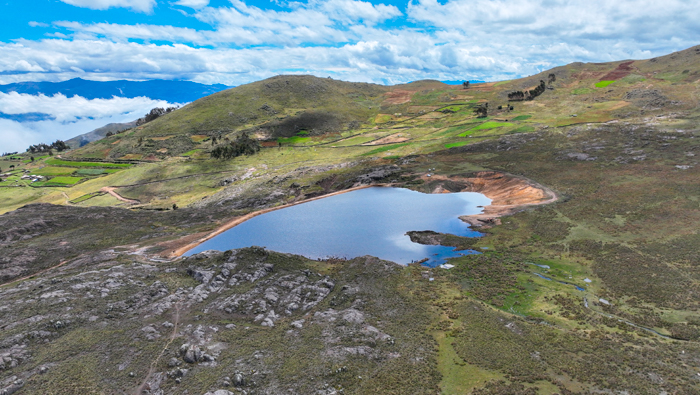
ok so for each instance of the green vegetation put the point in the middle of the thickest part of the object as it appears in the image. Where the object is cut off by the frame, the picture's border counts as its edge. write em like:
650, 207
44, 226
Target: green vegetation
492, 125
54, 171
385, 148
624, 230
293, 140
582, 91
60, 181
522, 117
603, 84
457, 144
61, 162
90, 172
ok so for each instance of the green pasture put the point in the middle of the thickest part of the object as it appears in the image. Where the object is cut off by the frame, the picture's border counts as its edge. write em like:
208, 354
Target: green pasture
603, 84
52, 171
61, 162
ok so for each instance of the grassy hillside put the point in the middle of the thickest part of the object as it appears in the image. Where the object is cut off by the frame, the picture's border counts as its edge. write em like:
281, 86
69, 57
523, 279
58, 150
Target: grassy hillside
594, 293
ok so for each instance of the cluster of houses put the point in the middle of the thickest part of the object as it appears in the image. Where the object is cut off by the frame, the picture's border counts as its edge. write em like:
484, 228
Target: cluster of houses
32, 177
26, 176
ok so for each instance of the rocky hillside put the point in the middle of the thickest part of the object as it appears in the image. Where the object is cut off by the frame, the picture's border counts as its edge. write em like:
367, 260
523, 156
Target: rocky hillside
585, 279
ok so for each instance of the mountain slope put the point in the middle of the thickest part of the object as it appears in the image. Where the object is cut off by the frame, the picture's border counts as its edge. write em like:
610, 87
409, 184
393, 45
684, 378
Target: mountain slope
593, 291
99, 133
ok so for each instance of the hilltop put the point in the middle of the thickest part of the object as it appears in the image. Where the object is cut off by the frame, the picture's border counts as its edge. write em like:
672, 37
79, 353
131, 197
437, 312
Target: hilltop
586, 282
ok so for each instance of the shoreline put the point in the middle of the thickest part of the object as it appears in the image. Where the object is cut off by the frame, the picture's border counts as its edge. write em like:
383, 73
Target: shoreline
501, 188
508, 193
239, 220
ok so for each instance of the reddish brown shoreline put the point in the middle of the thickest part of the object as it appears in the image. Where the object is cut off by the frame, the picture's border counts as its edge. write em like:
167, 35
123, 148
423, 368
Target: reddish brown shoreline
508, 195
239, 220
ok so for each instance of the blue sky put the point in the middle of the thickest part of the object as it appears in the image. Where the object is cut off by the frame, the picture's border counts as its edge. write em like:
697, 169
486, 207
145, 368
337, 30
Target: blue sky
393, 41
234, 42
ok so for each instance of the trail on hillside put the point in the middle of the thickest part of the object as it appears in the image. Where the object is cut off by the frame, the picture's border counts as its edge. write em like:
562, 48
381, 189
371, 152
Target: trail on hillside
111, 191
33, 275
173, 335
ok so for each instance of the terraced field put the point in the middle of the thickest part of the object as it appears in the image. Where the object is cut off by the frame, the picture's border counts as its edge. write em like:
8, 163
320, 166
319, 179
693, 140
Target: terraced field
593, 292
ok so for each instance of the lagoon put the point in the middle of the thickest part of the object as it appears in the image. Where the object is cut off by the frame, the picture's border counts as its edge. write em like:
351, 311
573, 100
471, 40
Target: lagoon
371, 221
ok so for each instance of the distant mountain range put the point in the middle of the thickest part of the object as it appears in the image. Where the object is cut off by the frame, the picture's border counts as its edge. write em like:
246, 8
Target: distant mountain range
99, 133
172, 91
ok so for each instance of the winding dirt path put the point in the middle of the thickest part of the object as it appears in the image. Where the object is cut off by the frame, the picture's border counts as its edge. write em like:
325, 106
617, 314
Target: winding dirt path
152, 369
35, 274
111, 191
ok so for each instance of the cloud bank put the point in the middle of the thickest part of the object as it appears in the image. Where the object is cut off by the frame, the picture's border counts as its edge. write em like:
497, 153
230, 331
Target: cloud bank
69, 116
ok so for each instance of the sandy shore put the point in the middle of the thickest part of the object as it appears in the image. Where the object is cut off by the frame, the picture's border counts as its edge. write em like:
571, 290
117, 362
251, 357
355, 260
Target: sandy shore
508, 193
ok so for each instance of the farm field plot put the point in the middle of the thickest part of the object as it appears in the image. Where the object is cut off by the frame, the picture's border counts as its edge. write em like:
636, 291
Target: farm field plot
54, 171
61, 162
60, 181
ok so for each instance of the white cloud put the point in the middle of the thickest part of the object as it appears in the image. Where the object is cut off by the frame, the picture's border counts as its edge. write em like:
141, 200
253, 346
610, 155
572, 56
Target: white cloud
17, 136
71, 109
318, 22
196, 4
348, 39
118, 32
73, 116
136, 5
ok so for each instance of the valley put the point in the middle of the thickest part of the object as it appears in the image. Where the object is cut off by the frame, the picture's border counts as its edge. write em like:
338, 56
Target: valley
586, 281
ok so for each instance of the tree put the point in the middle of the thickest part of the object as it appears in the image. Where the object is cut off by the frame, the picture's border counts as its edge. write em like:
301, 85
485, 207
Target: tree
31, 158
175, 206
551, 78
242, 145
154, 114
465, 84
482, 111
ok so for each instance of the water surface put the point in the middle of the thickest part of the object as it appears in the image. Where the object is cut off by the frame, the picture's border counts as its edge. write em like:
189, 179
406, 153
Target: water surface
371, 221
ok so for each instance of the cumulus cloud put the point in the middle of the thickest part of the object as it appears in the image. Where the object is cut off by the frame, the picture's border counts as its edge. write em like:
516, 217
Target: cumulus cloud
136, 5
70, 109
350, 39
196, 4
71, 116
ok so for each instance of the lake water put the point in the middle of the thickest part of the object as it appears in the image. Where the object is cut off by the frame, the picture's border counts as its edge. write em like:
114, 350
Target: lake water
371, 221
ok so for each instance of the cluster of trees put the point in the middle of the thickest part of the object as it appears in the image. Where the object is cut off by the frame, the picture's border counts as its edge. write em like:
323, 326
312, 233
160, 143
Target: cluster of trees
154, 114
482, 111
465, 84
527, 95
57, 145
9, 153
243, 145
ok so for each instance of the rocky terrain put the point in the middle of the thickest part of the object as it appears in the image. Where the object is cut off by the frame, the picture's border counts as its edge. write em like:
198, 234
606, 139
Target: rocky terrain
238, 321
584, 280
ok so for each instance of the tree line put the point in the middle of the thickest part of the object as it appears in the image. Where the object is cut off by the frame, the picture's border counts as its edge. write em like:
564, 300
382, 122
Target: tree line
527, 95
242, 145
57, 145
154, 114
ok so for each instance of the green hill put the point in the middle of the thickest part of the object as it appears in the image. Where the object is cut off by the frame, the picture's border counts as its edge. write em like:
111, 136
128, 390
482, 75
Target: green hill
586, 281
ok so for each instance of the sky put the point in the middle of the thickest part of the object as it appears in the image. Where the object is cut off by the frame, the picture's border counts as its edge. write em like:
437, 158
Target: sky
234, 42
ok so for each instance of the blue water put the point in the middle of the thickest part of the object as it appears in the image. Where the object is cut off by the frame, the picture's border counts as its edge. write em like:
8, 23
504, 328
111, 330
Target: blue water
371, 221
